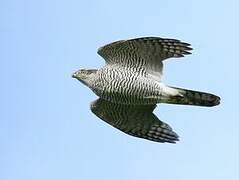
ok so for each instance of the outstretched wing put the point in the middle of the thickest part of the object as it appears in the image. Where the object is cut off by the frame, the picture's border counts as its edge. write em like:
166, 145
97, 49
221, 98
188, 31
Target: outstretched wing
144, 53
135, 120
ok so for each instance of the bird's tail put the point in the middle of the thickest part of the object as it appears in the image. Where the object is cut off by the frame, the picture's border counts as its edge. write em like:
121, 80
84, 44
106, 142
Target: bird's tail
190, 97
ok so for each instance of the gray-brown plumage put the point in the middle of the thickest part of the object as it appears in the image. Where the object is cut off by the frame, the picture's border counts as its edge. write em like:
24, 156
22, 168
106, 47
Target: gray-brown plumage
129, 86
135, 120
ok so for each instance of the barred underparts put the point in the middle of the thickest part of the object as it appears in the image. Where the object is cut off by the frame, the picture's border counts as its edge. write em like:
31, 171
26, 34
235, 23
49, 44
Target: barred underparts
129, 86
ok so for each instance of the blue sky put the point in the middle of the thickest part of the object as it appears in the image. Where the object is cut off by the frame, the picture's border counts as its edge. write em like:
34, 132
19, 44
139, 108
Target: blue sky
46, 128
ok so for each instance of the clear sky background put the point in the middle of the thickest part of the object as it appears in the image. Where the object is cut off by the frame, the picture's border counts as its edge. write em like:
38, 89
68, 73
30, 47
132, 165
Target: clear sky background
47, 130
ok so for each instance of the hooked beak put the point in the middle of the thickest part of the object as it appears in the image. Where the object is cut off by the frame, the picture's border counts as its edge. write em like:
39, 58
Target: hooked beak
74, 75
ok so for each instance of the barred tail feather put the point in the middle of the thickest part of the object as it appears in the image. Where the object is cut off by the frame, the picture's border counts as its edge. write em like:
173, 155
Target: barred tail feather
190, 97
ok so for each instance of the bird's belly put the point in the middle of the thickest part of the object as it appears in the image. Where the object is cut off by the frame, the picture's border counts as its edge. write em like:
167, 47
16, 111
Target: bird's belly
127, 89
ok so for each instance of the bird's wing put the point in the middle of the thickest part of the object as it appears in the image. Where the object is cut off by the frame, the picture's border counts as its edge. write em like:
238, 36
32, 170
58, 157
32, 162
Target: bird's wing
147, 53
135, 120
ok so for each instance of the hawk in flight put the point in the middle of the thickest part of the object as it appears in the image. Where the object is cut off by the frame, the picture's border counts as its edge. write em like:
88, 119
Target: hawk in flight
129, 86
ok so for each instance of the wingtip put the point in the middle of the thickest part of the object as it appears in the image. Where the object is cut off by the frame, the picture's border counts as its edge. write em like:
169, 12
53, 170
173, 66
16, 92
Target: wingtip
186, 52
185, 44
172, 141
188, 48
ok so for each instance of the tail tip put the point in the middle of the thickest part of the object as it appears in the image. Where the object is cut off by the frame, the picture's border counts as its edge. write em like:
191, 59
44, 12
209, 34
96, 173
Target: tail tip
217, 100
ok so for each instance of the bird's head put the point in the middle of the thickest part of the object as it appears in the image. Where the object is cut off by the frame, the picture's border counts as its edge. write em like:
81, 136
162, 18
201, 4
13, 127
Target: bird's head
86, 76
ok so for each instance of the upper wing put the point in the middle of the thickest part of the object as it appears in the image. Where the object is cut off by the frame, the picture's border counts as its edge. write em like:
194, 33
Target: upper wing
134, 120
147, 53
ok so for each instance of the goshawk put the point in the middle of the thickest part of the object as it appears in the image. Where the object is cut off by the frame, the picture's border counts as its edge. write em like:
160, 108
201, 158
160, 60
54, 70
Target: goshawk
129, 86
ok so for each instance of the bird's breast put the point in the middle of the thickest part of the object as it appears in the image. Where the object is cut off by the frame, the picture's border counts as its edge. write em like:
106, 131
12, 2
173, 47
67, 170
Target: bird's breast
125, 86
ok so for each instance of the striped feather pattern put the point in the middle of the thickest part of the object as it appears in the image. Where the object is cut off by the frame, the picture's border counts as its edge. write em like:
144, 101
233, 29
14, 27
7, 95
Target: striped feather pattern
126, 86
144, 53
138, 121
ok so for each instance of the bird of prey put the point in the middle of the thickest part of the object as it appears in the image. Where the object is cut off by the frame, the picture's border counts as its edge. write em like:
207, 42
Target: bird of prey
129, 86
